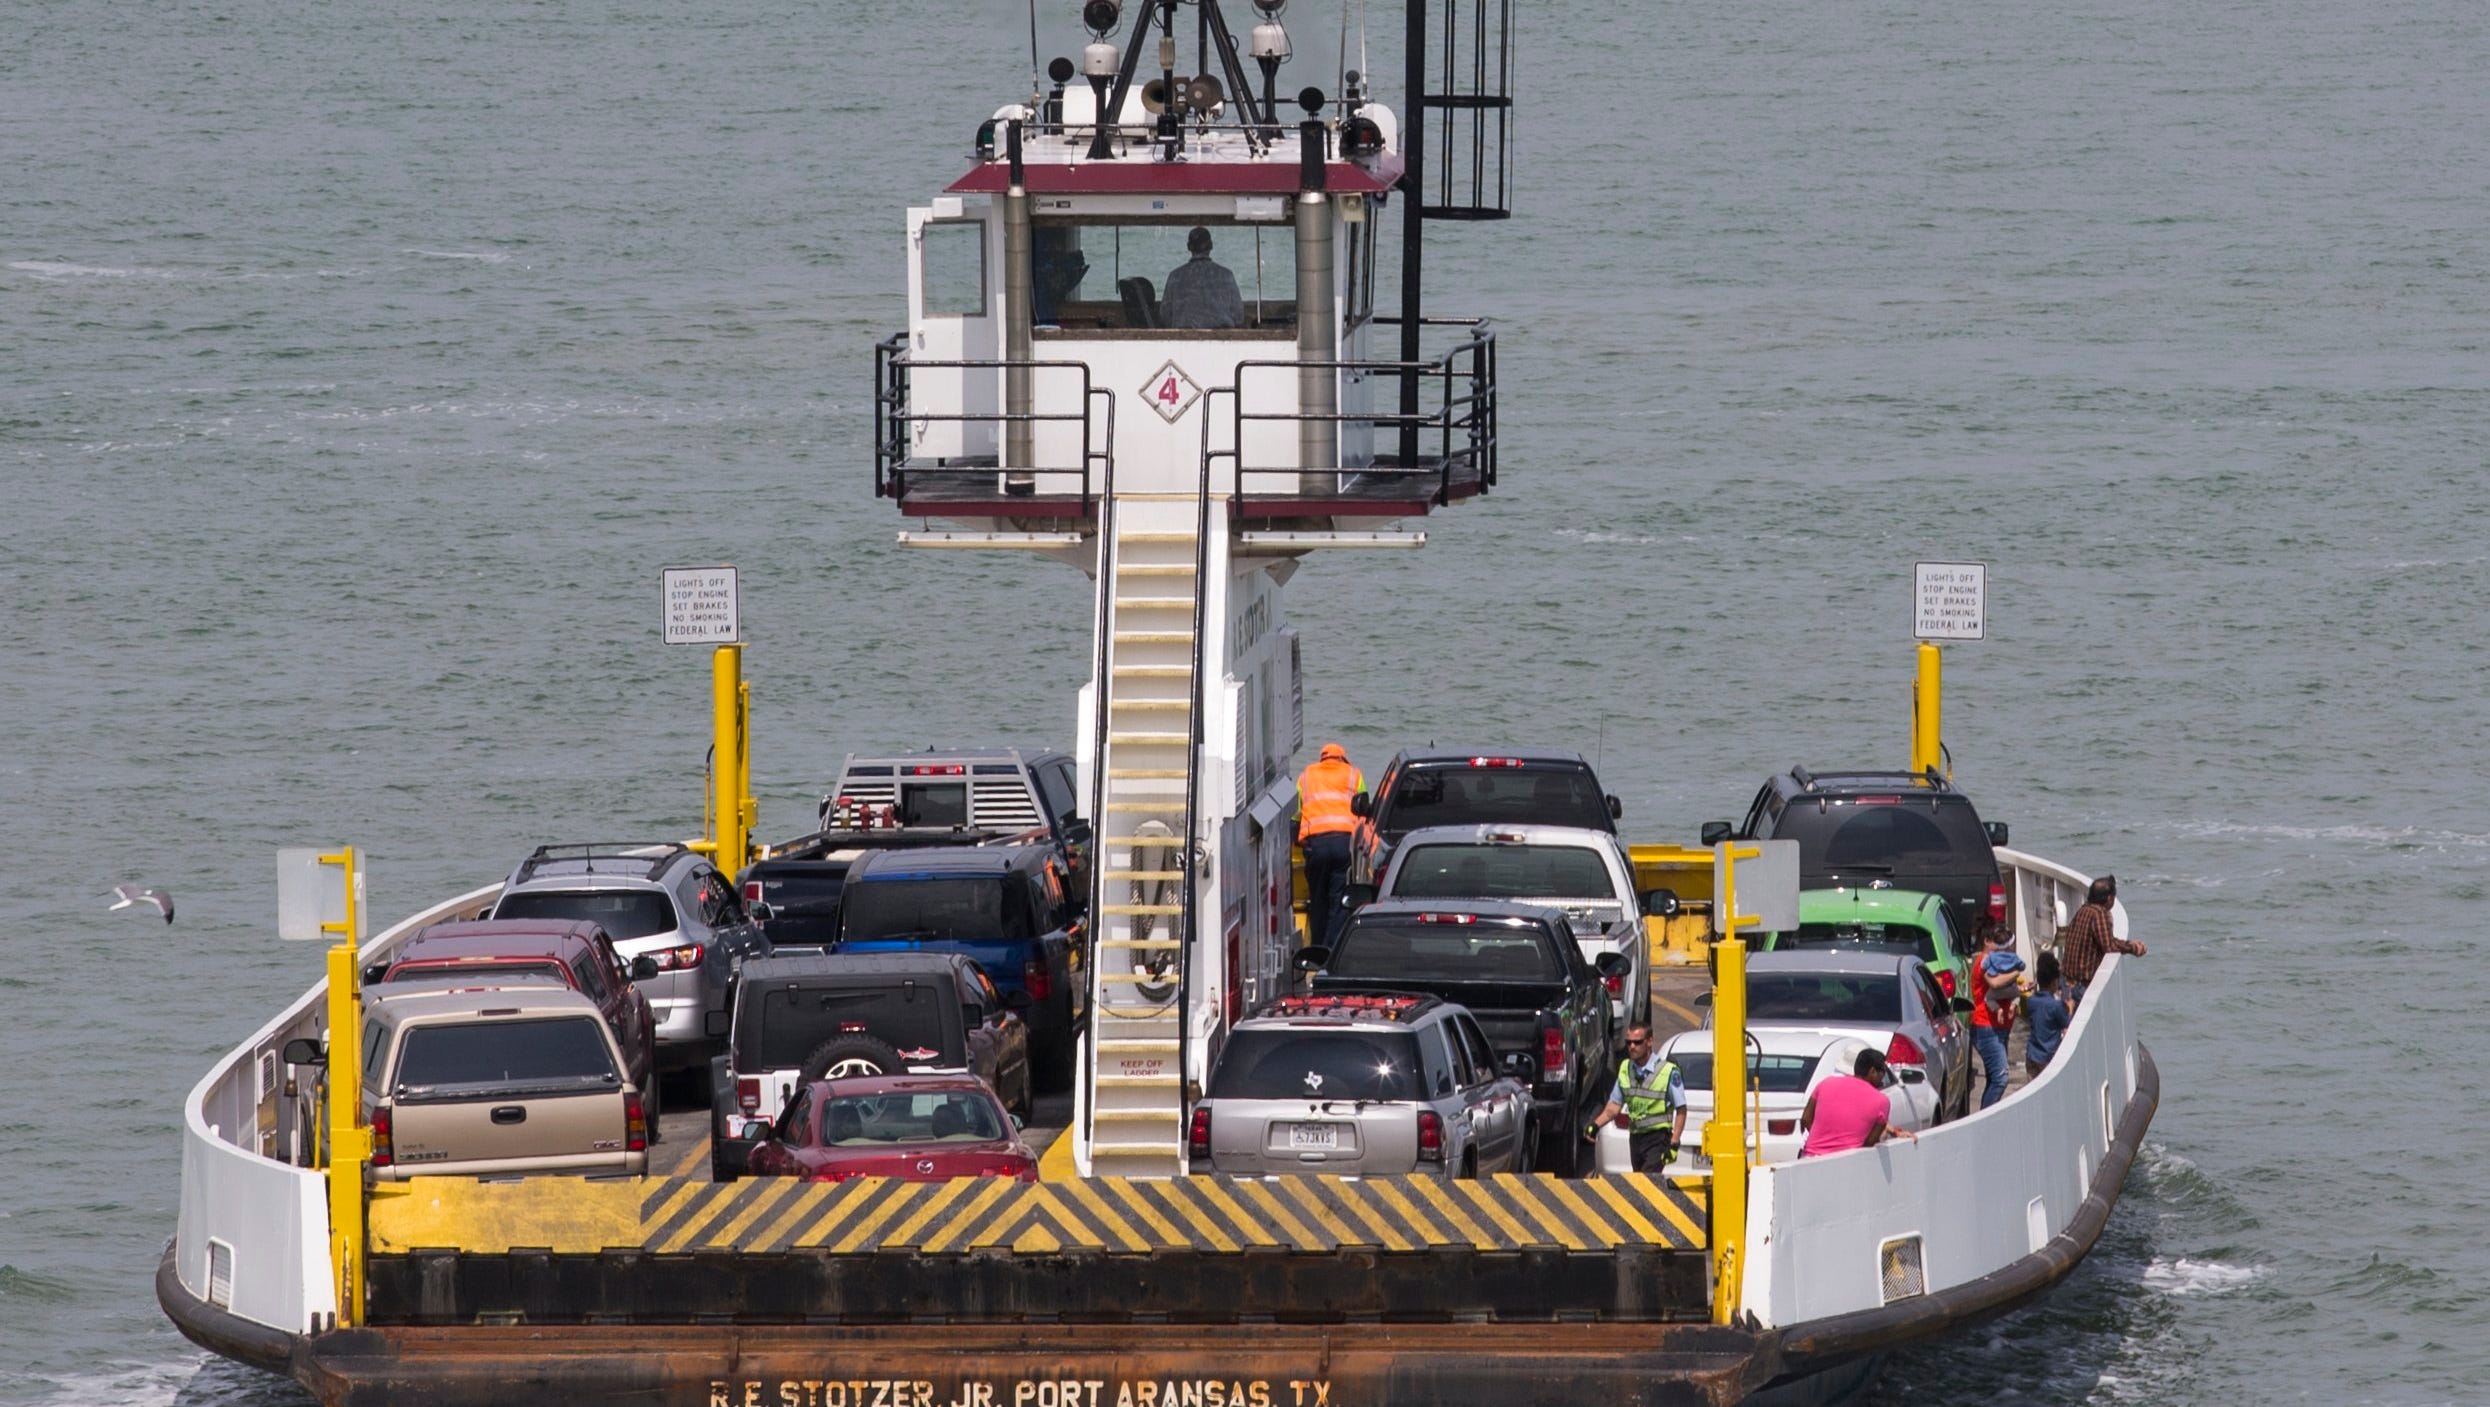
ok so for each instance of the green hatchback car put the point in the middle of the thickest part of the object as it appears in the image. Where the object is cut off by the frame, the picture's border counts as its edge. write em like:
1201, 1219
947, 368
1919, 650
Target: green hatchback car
1888, 920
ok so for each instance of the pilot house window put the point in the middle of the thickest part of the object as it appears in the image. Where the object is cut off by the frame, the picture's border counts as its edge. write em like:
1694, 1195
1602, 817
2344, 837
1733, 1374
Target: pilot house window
1181, 275
955, 269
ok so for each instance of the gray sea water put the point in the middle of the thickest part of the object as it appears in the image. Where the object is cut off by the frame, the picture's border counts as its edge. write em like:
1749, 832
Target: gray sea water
360, 367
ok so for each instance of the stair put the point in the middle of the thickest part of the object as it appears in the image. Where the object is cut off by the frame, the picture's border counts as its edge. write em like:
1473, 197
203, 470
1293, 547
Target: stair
1151, 572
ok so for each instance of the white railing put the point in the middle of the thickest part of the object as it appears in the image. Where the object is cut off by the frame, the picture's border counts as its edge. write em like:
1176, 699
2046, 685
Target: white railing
1979, 1194
239, 1192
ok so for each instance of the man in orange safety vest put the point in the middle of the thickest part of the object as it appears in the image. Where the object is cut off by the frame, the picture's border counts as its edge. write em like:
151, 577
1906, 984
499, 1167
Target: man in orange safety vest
1324, 827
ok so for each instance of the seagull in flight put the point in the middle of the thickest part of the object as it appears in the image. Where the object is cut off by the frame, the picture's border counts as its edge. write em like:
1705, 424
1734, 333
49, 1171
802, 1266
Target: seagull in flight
129, 894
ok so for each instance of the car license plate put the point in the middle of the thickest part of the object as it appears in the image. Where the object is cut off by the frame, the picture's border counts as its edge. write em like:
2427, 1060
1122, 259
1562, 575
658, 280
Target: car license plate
1313, 1135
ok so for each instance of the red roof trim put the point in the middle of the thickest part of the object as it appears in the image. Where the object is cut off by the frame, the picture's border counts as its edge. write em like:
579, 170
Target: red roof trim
1175, 178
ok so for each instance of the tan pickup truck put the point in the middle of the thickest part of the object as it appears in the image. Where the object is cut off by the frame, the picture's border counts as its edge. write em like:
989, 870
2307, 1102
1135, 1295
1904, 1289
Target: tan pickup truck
494, 1083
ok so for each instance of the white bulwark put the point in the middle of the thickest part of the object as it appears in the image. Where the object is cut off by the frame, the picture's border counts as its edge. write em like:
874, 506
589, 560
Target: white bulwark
704, 606
1951, 601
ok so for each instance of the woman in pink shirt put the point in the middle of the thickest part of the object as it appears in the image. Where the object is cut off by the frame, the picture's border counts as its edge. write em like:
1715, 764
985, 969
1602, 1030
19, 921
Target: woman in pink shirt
1849, 1111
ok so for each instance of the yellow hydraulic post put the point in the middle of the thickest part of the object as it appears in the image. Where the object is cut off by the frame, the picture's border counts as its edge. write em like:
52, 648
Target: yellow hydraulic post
743, 759
1724, 1138
728, 766
1928, 712
350, 1144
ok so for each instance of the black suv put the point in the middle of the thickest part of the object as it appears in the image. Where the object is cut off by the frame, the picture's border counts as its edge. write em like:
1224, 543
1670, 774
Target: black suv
1901, 830
1478, 786
800, 1019
1520, 972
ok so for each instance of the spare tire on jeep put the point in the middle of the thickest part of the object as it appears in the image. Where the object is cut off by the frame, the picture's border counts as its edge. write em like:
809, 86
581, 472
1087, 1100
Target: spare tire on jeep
854, 1054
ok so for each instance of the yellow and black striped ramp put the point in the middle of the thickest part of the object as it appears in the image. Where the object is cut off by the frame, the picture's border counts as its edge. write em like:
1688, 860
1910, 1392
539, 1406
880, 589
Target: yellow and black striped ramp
1203, 1214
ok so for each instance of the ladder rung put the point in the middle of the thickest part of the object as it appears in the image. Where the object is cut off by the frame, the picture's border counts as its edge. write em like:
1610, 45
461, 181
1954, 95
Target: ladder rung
1150, 739
1159, 537
1154, 637
1141, 910
1149, 808
1154, 705
1147, 774
1139, 1081
1143, 874
1158, 1011
1162, 842
1154, 603
1135, 1045
1154, 569
1152, 671
1142, 945
1133, 1116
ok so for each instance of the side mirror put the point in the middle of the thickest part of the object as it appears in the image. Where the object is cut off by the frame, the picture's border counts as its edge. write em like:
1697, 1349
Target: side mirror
374, 972
1661, 903
1703, 998
1997, 832
1613, 964
302, 1050
712, 1023
1362, 804
1018, 1123
1017, 1000
1356, 896
755, 1131
1616, 809
1911, 1074
1962, 1006
1312, 959
760, 911
1714, 832
645, 967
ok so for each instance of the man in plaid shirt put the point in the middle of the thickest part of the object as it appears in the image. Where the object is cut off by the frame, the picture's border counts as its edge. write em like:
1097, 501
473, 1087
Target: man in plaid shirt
2082, 942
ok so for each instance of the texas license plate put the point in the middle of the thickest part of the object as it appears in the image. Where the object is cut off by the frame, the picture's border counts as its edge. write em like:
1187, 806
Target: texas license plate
1313, 1135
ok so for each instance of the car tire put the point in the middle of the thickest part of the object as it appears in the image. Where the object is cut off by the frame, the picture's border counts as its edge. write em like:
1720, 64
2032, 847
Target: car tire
852, 1054
1524, 1150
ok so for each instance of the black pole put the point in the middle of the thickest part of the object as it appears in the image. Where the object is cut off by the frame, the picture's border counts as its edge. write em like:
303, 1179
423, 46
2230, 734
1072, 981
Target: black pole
1099, 150
1240, 89
1413, 220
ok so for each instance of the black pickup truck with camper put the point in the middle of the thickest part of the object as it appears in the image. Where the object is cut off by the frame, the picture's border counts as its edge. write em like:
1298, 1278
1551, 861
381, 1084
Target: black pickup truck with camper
1001, 791
1519, 970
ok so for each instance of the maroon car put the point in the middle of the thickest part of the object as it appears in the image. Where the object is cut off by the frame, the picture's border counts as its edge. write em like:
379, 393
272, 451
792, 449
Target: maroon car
574, 951
919, 1128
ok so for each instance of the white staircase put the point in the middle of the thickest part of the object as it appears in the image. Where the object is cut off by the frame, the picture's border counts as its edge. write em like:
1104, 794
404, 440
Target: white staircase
1150, 572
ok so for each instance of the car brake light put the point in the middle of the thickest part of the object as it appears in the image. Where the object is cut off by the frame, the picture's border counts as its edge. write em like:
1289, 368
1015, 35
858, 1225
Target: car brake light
1945, 983
1448, 918
1616, 985
1197, 1139
752, 891
1997, 902
1781, 1126
635, 1125
1430, 1136
1902, 1050
1876, 800
682, 958
383, 1154
1552, 1061
1033, 976
951, 770
1495, 762
748, 1093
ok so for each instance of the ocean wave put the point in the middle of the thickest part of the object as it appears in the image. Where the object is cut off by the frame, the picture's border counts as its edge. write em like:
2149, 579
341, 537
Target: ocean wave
2389, 837
2183, 1276
473, 256
28, 1284
52, 268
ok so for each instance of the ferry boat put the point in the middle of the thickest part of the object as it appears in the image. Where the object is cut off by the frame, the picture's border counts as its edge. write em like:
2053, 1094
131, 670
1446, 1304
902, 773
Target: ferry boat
1142, 342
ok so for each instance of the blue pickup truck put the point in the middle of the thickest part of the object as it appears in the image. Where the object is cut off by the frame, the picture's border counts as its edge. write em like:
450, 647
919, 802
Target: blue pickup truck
1010, 908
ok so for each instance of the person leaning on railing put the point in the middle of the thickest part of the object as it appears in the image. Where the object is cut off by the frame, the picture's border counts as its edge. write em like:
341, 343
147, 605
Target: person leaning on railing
2089, 936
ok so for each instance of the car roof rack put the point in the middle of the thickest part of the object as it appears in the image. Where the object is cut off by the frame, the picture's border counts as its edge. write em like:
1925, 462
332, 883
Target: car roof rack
623, 857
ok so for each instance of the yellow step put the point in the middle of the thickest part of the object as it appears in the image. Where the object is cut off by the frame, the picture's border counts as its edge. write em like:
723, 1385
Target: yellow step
1144, 945
1135, 1045
1143, 874
1147, 774
1154, 603
1152, 671
1154, 705
1159, 537
1149, 808
1154, 637
1151, 739
1138, 842
1138, 910
1134, 1116
1154, 569
1139, 1081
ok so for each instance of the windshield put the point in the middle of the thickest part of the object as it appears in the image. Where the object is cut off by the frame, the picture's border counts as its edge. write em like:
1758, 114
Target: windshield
563, 1052
1773, 1074
1884, 937
420, 971
623, 914
1874, 997
1445, 952
1164, 273
1901, 836
1317, 1064
1502, 872
949, 1116
927, 910
1550, 795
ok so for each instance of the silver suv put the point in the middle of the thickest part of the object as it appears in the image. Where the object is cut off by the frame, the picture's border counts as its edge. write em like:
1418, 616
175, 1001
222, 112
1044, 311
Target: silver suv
657, 901
1367, 1083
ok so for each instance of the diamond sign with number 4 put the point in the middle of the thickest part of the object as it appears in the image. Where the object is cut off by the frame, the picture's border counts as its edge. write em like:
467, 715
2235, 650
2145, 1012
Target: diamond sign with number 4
1170, 392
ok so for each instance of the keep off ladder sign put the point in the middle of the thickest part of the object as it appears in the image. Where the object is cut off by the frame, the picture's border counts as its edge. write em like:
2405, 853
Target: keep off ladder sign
1951, 601
703, 606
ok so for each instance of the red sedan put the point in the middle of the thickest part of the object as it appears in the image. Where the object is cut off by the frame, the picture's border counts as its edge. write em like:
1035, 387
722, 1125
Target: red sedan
921, 1128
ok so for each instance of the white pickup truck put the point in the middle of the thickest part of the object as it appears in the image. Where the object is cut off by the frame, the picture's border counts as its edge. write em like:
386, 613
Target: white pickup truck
1583, 873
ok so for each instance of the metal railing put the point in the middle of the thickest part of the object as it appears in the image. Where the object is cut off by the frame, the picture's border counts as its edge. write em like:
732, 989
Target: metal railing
1460, 429
895, 421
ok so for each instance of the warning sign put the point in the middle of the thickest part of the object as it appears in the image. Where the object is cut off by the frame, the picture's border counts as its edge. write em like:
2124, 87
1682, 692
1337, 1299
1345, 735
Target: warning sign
1951, 601
703, 606
1170, 392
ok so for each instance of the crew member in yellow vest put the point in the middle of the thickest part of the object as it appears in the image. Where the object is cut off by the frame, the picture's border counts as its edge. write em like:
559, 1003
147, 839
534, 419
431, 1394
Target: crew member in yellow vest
1650, 1100
1324, 826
